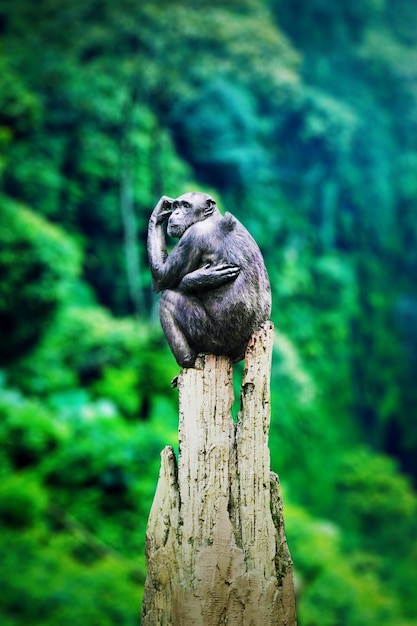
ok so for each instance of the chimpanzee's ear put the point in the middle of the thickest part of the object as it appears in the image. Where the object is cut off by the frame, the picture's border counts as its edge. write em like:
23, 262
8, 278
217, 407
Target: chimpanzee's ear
210, 207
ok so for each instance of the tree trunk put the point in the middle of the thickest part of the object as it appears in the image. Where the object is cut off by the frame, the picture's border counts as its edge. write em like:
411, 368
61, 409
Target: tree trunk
215, 544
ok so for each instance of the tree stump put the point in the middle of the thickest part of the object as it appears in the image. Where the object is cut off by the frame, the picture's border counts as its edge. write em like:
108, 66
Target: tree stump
215, 544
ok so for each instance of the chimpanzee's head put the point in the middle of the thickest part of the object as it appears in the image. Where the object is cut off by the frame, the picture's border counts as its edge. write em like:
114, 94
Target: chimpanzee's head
187, 209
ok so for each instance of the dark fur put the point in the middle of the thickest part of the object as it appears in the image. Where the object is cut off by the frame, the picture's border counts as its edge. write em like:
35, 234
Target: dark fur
215, 288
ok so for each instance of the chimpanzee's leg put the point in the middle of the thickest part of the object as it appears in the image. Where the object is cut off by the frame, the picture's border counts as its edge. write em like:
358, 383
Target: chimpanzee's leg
182, 317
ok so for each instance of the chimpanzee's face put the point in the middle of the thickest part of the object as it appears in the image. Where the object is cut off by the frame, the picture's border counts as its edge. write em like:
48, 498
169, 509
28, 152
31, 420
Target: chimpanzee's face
184, 214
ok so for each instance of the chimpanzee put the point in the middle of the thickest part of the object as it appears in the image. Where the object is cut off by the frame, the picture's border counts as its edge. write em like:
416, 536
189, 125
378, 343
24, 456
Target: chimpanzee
215, 288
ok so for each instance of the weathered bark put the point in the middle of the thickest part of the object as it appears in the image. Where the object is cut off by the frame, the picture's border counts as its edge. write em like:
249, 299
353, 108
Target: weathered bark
215, 545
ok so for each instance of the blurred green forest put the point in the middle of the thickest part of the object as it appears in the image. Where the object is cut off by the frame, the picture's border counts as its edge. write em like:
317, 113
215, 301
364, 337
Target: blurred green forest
300, 117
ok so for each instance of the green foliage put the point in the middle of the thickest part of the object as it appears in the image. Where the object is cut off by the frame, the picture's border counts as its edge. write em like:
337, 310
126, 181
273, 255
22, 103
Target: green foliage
300, 437
215, 123
37, 265
340, 596
28, 432
123, 360
96, 158
86, 491
325, 24
333, 586
377, 506
108, 479
373, 495
22, 501
19, 107
57, 590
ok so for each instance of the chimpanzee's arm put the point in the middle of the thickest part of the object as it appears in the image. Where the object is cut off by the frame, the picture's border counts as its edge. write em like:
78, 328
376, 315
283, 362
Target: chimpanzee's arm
208, 277
168, 270
157, 249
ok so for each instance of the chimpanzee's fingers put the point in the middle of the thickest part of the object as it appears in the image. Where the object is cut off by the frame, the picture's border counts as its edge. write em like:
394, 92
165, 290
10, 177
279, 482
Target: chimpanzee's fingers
167, 202
228, 270
164, 215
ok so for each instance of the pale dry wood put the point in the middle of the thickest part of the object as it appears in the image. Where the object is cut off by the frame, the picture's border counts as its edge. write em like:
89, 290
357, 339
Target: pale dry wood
215, 545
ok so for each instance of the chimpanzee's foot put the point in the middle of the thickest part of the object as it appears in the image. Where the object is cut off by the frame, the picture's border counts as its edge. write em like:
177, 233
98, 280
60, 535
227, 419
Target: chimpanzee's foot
187, 359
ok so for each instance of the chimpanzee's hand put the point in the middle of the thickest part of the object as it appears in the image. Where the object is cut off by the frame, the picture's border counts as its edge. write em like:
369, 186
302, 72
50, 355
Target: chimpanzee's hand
164, 209
217, 275
162, 217
209, 277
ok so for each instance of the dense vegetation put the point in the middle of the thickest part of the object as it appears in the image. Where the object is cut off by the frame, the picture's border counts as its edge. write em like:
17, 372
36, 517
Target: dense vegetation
301, 118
